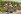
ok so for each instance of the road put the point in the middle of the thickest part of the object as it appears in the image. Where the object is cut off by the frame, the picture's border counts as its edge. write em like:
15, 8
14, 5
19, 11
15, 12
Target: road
6, 13
3, 13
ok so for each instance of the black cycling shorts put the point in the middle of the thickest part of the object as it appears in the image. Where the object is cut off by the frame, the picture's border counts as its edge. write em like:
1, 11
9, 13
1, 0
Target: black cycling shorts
11, 12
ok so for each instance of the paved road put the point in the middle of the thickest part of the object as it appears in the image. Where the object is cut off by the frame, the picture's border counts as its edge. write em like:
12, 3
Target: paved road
6, 13
3, 13
14, 12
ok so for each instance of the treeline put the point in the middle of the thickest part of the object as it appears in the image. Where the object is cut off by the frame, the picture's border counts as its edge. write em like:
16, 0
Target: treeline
12, 2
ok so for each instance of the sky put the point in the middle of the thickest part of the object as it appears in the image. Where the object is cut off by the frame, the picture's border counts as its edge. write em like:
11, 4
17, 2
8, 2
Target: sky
13, 0
18, 0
